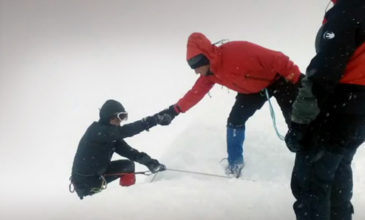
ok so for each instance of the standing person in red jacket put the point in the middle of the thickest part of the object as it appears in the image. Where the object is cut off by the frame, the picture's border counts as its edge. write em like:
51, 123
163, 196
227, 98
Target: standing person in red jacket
328, 117
247, 69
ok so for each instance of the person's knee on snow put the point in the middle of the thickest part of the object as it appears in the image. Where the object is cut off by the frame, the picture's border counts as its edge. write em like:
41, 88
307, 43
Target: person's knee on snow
87, 185
119, 168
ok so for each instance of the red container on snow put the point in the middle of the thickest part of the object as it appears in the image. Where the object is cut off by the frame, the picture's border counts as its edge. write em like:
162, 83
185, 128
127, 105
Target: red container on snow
127, 179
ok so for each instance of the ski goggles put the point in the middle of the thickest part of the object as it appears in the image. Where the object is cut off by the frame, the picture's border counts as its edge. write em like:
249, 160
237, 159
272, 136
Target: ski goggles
122, 115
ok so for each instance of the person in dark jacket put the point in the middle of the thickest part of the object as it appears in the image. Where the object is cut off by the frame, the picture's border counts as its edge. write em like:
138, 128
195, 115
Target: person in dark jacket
328, 117
92, 167
248, 69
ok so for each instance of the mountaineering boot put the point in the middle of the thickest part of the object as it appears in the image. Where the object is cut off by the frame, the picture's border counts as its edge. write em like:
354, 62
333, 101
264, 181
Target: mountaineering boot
235, 138
234, 170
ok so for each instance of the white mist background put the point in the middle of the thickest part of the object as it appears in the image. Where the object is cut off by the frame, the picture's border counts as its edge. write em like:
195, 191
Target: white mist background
60, 60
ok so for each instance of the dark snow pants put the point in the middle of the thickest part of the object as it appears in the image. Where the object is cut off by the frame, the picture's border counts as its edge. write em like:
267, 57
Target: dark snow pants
246, 104
89, 185
322, 175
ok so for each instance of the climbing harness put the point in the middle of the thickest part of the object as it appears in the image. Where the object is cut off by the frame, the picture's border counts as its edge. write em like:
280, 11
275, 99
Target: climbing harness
104, 184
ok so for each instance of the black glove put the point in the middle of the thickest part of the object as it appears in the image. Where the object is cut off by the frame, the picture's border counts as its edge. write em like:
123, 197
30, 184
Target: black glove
154, 166
165, 116
170, 111
294, 137
162, 118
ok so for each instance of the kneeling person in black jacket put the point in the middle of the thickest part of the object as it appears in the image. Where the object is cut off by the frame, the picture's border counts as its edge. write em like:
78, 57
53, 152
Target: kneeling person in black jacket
92, 167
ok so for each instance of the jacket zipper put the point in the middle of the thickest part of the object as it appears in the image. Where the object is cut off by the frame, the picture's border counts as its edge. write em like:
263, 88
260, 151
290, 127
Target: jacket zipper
247, 76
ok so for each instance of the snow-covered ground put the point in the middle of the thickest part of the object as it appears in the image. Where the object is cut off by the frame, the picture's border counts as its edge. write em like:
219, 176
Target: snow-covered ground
60, 60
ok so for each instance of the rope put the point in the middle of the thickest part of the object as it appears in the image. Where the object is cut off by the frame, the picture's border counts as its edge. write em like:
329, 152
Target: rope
198, 173
147, 173
220, 42
154, 177
273, 118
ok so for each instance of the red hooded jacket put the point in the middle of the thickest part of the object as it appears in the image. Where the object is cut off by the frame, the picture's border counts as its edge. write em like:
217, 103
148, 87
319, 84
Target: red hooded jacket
239, 65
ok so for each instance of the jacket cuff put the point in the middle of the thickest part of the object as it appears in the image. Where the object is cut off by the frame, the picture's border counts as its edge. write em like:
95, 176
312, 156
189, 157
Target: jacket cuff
176, 109
149, 122
293, 77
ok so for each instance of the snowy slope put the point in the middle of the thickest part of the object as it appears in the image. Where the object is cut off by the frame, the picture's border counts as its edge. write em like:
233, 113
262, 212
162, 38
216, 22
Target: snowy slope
60, 60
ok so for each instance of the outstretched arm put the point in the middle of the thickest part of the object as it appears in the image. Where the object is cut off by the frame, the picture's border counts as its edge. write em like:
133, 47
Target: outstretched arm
195, 94
127, 151
146, 123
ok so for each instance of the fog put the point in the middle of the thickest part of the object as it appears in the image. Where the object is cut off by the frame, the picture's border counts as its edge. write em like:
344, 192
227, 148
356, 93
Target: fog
61, 59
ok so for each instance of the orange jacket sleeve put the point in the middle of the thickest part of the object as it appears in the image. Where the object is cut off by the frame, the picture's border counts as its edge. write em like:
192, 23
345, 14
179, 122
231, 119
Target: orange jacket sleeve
195, 94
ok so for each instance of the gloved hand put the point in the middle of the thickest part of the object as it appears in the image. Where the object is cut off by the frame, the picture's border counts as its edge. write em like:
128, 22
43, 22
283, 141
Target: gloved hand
154, 166
170, 111
165, 116
162, 118
295, 135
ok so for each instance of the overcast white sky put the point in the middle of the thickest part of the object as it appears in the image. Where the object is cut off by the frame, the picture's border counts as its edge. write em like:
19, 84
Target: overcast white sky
61, 59
53, 52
